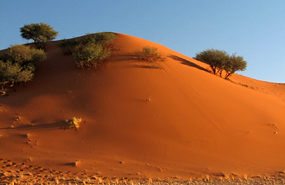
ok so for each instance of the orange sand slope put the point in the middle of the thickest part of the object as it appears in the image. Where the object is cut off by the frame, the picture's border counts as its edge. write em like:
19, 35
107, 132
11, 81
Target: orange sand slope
144, 122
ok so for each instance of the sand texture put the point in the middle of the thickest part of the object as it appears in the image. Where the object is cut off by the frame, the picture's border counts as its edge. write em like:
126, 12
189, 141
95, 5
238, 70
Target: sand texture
140, 122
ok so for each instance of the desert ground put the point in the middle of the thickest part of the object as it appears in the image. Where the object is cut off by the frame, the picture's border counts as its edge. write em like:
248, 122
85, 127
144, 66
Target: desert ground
176, 123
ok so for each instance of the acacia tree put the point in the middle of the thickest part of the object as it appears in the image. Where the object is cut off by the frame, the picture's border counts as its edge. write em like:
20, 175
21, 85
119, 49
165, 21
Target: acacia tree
215, 58
220, 61
39, 32
235, 63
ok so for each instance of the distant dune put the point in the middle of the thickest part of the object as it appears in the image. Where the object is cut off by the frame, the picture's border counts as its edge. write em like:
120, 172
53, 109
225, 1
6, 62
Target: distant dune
141, 122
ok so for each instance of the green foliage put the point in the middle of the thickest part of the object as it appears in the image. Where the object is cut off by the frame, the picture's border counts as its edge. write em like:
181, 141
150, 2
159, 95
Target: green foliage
91, 50
14, 73
23, 55
90, 55
39, 32
215, 58
235, 63
103, 38
150, 54
68, 46
220, 61
18, 64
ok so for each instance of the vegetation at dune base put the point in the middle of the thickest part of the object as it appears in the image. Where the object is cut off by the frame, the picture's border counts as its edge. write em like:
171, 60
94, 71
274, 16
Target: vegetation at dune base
150, 54
220, 61
18, 64
39, 32
90, 50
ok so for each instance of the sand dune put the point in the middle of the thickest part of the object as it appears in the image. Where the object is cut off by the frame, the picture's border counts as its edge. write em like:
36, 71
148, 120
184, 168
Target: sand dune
138, 121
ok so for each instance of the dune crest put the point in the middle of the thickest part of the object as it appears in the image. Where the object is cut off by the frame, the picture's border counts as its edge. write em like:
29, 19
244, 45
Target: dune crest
139, 121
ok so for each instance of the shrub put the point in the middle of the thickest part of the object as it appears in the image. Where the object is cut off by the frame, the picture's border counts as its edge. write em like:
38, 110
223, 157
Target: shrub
90, 55
220, 61
23, 55
39, 32
74, 123
14, 73
103, 38
18, 65
99, 38
150, 54
68, 46
91, 50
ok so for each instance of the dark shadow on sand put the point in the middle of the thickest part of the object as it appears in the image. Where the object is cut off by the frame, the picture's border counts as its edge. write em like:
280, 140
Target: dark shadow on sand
51, 126
136, 62
187, 62
69, 164
123, 57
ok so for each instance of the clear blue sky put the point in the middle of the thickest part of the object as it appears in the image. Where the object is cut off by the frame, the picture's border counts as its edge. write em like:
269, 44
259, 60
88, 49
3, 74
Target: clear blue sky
254, 29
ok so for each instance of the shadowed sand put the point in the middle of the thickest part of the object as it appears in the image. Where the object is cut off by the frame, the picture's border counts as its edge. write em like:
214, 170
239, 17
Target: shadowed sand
178, 122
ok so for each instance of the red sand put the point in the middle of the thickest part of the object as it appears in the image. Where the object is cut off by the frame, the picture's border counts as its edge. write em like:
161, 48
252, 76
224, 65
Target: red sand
179, 121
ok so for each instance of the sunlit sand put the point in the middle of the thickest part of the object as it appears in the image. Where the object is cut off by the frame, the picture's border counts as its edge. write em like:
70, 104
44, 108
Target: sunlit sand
178, 122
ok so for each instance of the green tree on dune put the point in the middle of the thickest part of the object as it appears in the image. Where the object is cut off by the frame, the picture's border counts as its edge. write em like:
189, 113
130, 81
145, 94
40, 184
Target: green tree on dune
220, 61
39, 32
235, 63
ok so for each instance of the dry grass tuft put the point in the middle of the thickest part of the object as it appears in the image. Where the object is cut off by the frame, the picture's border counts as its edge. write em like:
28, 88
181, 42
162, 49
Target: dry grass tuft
148, 100
76, 163
151, 55
74, 123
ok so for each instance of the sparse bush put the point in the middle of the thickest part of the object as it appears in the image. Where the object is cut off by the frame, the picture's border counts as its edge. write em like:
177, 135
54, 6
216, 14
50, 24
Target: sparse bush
105, 39
68, 46
39, 32
18, 65
90, 56
23, 55
220, 61
74, 123
91, 50
14, 73
99, 38
150, 54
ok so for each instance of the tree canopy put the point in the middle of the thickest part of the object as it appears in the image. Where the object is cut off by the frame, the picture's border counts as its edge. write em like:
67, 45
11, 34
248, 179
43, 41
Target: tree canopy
235, 63
220, 61
39, 32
